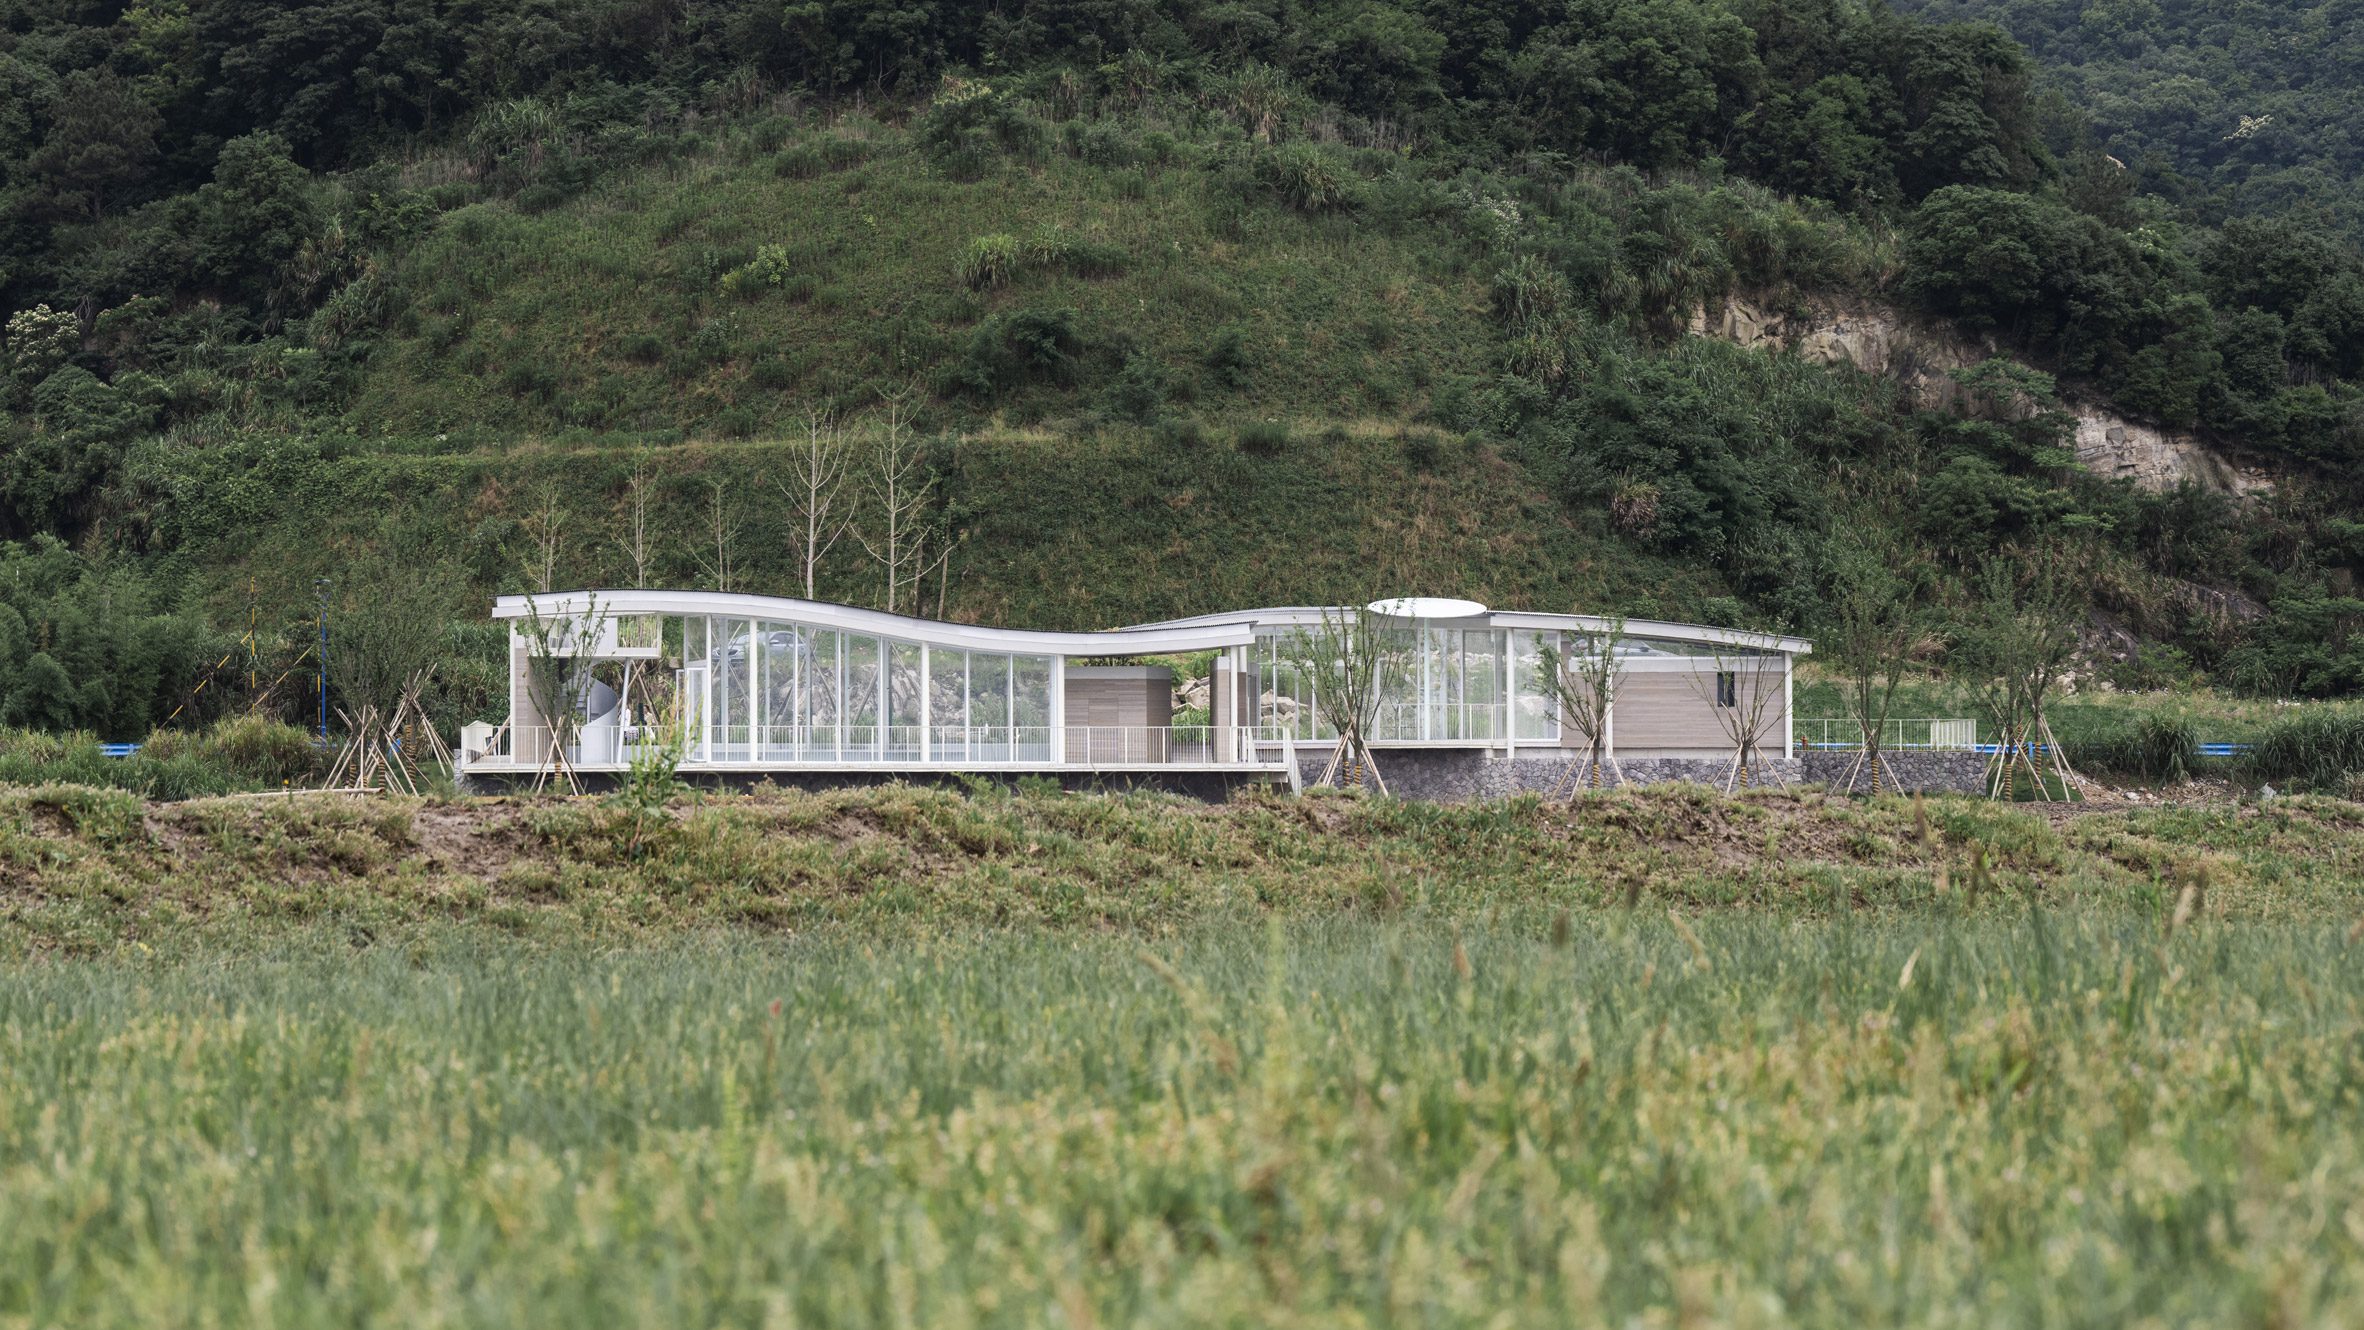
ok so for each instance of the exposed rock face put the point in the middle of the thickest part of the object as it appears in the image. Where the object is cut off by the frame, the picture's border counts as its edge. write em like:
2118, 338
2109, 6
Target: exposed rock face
1878, 339
2115, 448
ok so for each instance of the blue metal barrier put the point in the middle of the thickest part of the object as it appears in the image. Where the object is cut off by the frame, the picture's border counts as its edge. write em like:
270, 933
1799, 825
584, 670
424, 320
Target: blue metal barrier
118, 750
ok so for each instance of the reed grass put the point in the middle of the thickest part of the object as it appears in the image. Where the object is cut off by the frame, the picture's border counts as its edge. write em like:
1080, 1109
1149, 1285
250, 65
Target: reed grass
2029, 1119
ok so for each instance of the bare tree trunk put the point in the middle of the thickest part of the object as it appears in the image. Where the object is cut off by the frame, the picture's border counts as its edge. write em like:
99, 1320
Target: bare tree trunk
900, 492
545, 531
817, 477
723, 527
636, 535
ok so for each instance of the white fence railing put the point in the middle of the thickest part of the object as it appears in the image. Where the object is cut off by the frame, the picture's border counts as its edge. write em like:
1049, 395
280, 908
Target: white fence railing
950, 746
1934, 733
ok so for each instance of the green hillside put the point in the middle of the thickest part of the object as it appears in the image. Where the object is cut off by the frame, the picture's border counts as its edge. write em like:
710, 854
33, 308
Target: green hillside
799, 262
1181, 309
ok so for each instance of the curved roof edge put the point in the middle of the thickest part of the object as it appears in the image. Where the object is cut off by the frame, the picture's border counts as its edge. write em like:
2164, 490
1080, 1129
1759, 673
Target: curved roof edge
1648, 628
1146, 640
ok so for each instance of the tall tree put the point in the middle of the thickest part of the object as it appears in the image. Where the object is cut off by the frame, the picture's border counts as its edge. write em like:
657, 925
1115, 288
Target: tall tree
101, 141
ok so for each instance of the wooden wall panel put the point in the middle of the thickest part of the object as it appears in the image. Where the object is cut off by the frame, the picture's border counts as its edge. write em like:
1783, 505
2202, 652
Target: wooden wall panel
1668, 713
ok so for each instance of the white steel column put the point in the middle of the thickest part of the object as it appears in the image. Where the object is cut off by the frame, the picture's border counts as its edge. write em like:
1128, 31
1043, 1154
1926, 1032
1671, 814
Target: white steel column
706, 686
1510, 692
1789, 712
1058, 708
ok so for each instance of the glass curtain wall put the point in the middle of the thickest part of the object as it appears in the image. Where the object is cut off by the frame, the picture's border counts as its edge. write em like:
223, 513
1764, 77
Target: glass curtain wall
791, 693
1452, 685
1535, 709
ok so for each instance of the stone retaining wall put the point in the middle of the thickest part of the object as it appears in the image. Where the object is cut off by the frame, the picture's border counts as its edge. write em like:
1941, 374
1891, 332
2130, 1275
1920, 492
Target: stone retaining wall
1454, 775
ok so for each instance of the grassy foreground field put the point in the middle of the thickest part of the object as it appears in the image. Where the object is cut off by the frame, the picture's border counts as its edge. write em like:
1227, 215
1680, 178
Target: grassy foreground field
935, 1059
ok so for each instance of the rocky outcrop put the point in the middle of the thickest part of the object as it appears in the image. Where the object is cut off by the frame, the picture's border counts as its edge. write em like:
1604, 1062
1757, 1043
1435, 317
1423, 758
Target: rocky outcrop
2115, 448
1882, 340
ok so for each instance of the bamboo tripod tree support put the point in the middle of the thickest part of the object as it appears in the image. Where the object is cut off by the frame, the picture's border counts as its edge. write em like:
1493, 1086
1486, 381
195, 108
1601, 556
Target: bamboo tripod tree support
558, 671
1876, 626
2019, 646
378, 755
1352, 660
1745, 699
1583, 684
1872, 759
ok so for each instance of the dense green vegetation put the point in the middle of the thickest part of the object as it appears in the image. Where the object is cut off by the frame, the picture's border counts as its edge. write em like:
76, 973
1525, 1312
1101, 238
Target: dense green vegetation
915, 1057
2248, 109
359, 289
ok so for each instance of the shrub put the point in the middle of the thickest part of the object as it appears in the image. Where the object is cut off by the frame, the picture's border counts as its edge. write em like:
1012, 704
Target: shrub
1227, 360
1530, 295
1101, 143
842, 153
1139, 391
1077, 255
1263, 438
772, 269
528, 378
1185, 432
801, 162
1305, 178
999, 259
1021, 347
970, 122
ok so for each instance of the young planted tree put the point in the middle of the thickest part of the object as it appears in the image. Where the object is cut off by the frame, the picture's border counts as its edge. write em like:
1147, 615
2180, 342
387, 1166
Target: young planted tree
1876, 627
722, 530
902, 532
543, 532
1748, 702
1583, 682
814, 489
2017, 647
637, 546
559, 681
1352, 661
393, 616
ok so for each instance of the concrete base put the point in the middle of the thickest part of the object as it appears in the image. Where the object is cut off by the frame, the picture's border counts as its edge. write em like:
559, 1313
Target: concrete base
1212, 786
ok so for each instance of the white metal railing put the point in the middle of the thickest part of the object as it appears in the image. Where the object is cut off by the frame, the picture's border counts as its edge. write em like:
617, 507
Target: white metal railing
1159, 745
897, 746
1898, 735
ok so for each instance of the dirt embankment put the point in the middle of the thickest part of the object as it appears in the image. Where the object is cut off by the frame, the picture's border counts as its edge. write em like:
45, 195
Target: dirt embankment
82, 867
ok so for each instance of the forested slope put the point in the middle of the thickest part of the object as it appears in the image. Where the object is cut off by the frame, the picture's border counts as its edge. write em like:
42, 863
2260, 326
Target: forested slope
2251, 109
1184, 305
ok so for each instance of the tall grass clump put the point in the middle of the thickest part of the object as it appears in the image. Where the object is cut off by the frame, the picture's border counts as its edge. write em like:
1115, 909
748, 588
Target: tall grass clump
2162, 747
237, 754
2315, 747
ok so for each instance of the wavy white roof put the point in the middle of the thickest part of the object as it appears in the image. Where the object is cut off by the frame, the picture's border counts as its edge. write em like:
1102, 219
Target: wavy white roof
1145, 641
1647, 629
1204, 632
